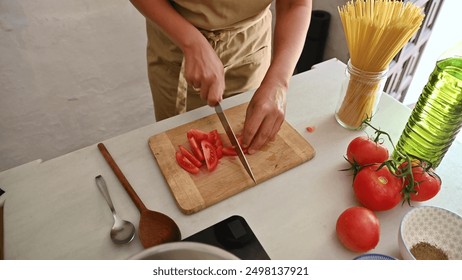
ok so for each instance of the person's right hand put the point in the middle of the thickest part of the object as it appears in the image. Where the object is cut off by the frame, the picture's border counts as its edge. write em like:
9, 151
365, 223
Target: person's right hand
204, 71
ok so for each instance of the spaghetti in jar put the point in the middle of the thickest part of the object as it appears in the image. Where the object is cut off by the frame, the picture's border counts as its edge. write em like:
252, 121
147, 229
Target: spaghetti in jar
359, 96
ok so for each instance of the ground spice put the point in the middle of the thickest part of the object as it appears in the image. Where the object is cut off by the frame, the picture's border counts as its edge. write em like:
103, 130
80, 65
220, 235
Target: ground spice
427, 251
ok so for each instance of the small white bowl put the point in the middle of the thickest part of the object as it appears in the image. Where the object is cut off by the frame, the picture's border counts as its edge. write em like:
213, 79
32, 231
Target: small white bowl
184, 250
434, 225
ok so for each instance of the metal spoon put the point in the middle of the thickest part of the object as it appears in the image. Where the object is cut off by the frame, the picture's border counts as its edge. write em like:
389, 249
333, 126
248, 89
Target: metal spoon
122, 231
154, 228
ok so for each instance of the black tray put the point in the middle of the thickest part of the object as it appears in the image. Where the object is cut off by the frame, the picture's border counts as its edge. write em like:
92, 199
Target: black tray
233, 235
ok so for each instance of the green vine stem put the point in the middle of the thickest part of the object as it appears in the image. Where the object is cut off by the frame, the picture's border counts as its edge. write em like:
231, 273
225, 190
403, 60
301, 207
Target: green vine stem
399, 169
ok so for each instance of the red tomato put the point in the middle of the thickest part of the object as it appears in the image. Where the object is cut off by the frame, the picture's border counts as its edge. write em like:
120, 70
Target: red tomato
190, 156
186, 164
427, 183
214, 138
363, 151
310, 129
229, 151
219, 150
378, 190
195, 148
358, 229
198, 134
210, 155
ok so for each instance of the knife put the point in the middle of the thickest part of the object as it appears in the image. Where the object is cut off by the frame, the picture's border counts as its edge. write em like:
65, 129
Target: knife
2, 202
232, 137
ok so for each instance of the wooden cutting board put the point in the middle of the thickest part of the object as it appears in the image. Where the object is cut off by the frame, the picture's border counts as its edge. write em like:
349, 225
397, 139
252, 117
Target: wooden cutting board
196, 192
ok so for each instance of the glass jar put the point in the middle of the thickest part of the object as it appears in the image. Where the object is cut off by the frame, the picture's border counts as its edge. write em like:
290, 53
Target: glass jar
359, 96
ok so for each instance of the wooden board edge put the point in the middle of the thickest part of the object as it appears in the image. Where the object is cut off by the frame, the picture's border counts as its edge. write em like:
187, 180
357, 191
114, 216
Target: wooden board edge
182, 178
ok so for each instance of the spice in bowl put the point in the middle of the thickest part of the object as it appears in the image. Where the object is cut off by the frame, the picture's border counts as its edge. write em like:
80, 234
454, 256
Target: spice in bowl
430, 233
427, 251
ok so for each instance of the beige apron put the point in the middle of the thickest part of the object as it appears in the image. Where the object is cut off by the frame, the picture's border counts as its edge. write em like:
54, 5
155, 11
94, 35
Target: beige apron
242, 44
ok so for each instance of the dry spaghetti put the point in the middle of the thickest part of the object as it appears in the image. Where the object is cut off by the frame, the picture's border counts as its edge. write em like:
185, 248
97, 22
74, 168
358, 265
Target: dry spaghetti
375, 31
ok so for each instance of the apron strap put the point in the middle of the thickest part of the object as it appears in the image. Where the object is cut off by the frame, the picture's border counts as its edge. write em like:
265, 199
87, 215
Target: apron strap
182, 90
213, 37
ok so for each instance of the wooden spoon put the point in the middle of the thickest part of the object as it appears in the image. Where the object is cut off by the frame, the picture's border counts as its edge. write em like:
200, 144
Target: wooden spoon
154, 228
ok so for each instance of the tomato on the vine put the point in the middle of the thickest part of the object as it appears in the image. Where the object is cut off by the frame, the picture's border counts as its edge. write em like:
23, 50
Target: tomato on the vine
427, 183
363, 151
358, 229
377, 189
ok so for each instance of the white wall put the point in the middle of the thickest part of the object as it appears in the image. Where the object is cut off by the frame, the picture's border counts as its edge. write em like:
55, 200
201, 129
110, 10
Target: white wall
336, 46
71, 73
446, 33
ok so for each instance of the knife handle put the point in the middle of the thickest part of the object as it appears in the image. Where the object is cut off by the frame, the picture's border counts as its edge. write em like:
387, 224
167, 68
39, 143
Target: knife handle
1, 232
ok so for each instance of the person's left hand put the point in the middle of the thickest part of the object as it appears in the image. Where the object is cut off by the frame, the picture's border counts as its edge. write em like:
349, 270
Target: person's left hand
264, 117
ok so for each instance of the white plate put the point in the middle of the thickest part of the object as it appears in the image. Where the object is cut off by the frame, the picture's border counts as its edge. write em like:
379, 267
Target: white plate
184, 250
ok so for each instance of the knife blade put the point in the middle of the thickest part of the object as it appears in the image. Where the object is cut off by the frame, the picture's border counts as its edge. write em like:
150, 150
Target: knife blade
233, 139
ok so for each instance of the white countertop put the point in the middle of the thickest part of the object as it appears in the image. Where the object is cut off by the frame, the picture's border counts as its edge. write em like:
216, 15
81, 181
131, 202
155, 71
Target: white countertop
55, 211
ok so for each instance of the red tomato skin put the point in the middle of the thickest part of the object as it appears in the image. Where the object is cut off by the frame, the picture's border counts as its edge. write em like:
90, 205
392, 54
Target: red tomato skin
428, 184
363, 151
190, 156
195, 148
377, 190
214, 138
185, 163
210, 155
198, 134
358, 229
229, 151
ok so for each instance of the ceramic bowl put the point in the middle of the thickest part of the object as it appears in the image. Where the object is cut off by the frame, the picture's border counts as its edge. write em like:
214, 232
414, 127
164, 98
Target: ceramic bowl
436, 226
374, 257
184, 250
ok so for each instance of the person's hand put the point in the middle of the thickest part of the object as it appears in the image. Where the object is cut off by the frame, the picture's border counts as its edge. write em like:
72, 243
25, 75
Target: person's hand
204, 71
264, 117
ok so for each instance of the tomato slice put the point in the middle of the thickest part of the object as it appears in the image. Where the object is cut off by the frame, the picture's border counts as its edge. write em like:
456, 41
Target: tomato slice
210, 155
190, 156
186, 164
198, 134
229, 151
214, 138
219, 150
195, 148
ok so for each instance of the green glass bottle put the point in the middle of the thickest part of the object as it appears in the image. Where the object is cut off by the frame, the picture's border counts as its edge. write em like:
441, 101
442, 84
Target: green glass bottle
437, 117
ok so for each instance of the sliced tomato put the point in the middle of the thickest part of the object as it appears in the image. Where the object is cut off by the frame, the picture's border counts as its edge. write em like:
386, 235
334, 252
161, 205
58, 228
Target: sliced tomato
240, 138
190, 156
198, 134
219, 150
186, 164
195, 148
214, 138
229, 151
210, 155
